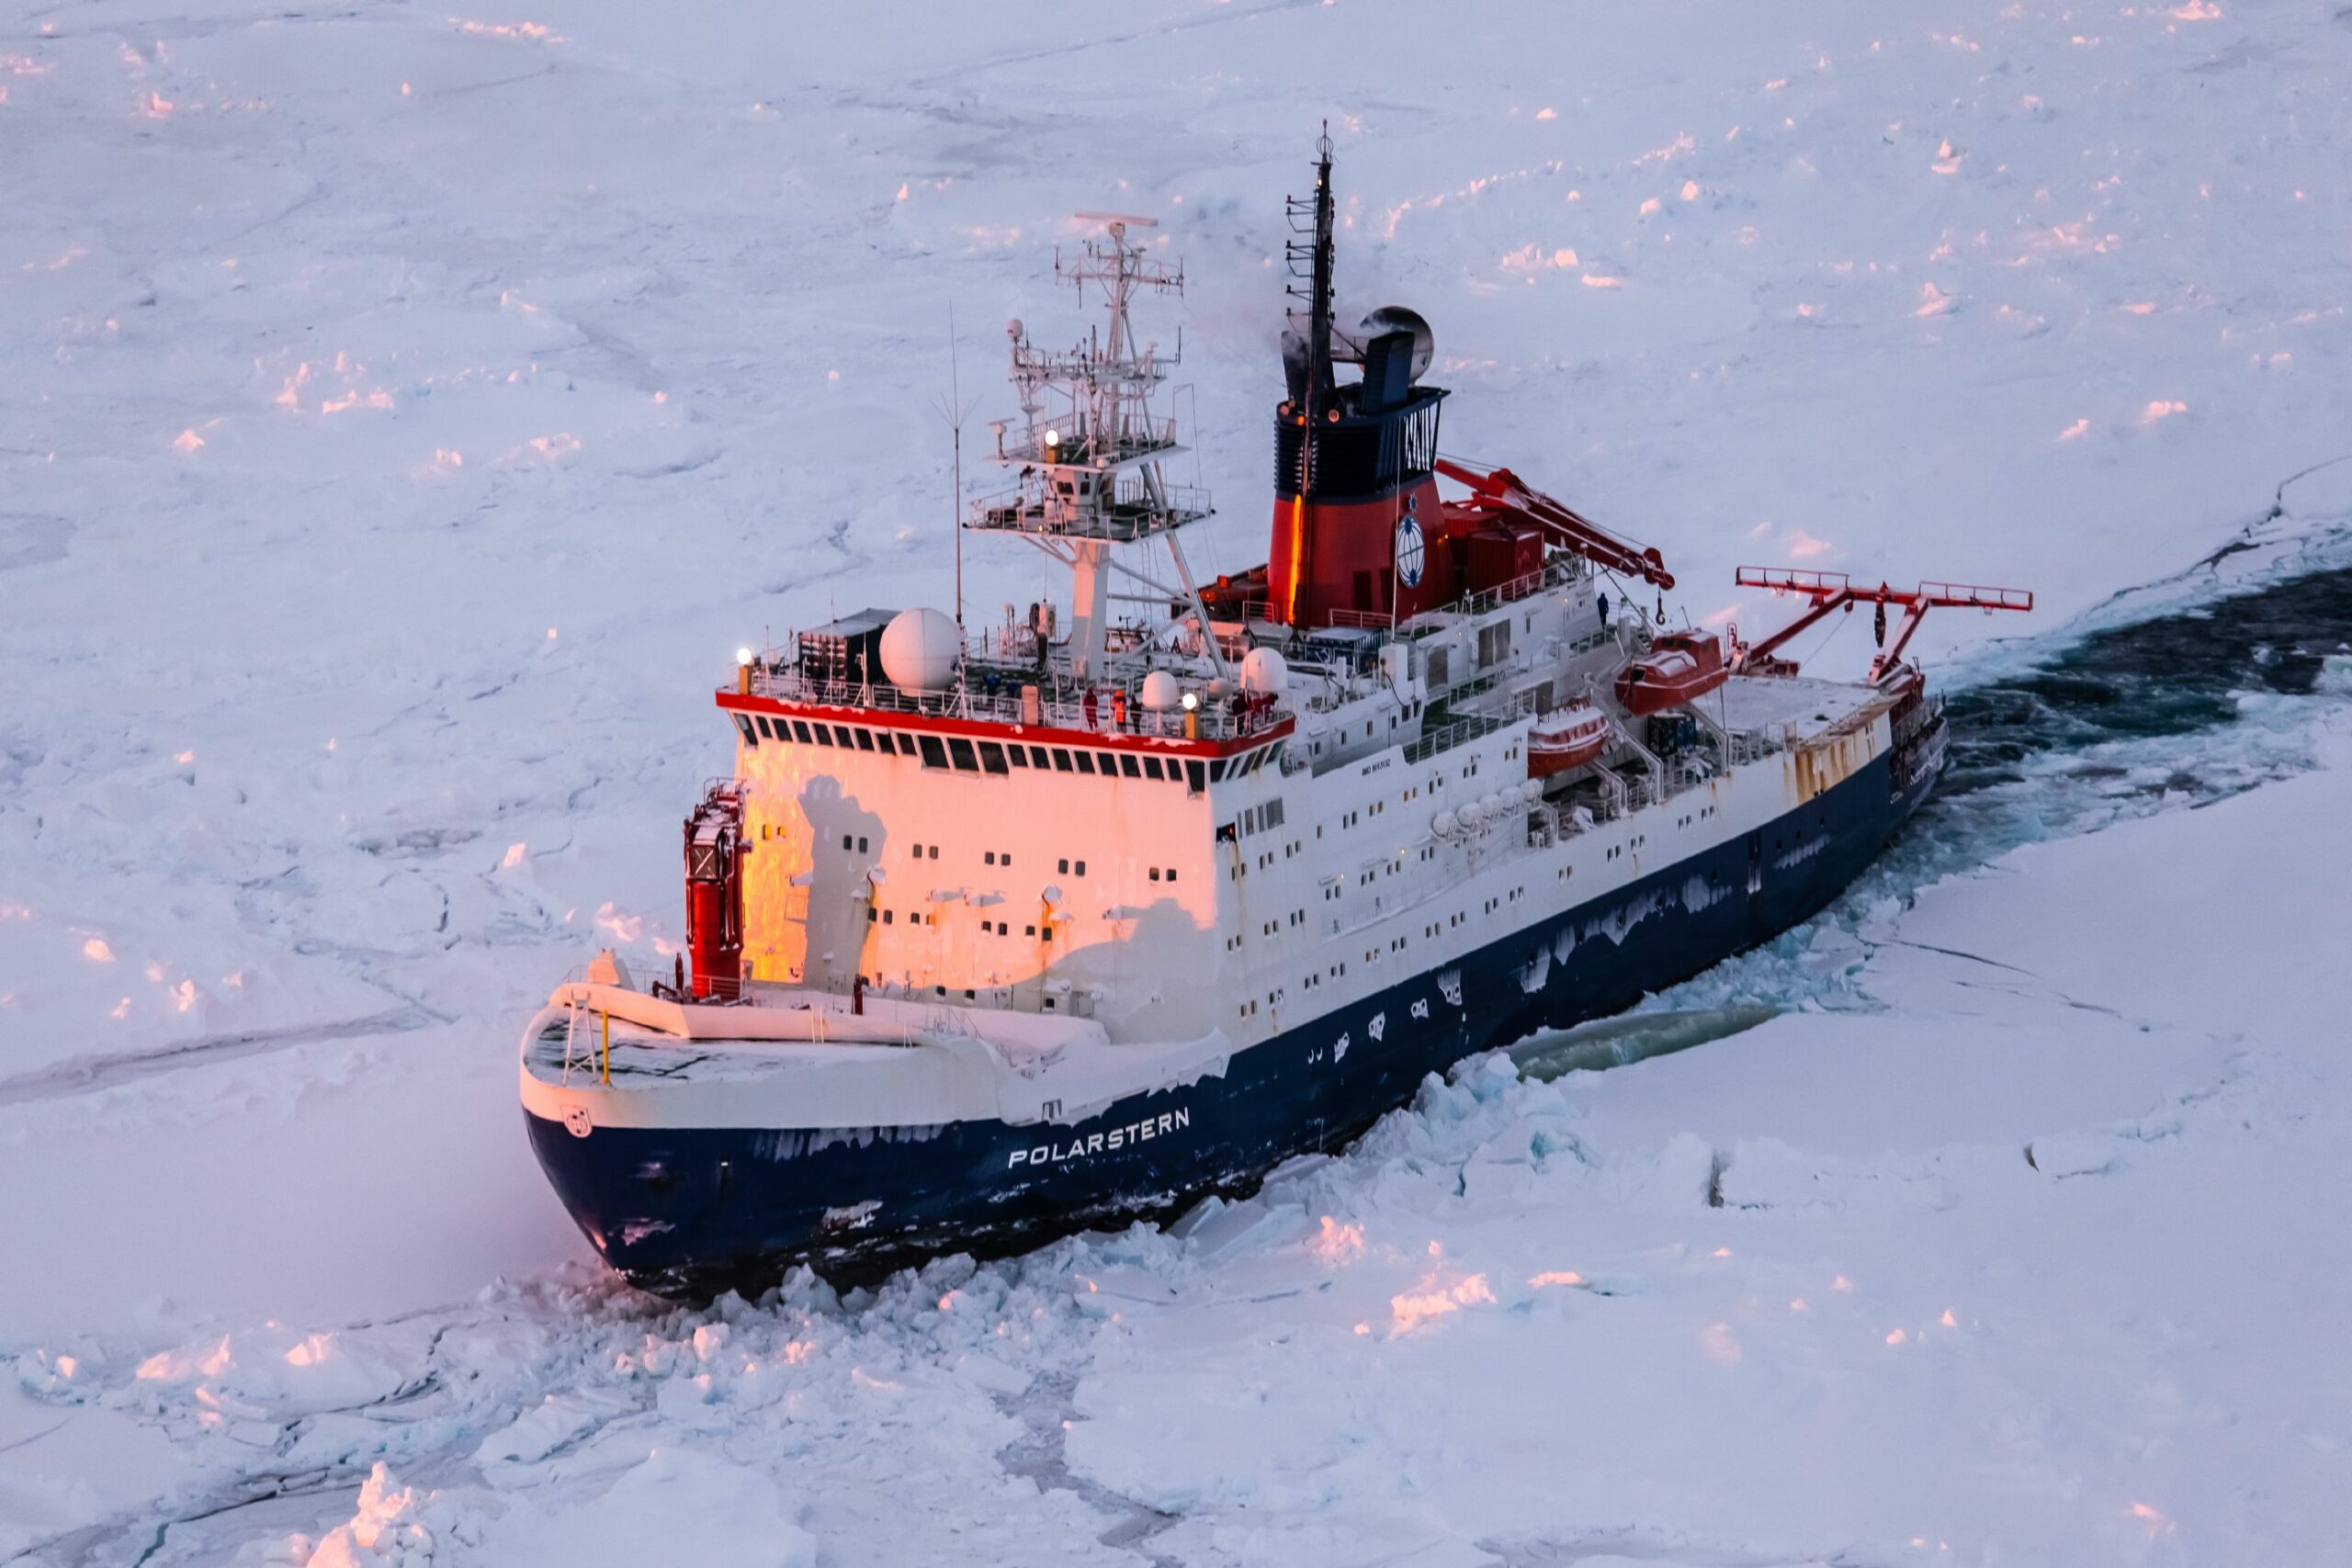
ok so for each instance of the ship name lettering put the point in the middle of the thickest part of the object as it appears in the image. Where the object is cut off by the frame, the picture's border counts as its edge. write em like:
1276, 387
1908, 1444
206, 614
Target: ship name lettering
1093, 1144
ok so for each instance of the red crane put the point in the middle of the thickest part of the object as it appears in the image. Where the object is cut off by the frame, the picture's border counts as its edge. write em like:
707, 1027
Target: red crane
1500, 492
1832, 590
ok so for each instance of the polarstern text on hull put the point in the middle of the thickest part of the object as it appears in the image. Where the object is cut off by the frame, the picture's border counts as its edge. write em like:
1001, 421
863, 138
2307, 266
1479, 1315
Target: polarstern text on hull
995, 932
1052, 1153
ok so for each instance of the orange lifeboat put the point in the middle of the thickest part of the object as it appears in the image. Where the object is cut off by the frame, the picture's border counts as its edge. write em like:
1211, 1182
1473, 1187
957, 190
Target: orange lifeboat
1680, 667
1567, 737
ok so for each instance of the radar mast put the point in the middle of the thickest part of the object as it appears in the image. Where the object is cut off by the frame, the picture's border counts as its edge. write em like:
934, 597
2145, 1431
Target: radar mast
1090, 450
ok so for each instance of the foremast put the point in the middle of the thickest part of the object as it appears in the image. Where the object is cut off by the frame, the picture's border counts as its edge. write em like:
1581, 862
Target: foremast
1091, 452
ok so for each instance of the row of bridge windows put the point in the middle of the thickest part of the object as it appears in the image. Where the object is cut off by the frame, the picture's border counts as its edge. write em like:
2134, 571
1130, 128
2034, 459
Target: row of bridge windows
956, 753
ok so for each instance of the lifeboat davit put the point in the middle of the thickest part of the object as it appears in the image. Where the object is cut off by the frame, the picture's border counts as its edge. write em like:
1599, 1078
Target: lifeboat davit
1567, 737
1679, 668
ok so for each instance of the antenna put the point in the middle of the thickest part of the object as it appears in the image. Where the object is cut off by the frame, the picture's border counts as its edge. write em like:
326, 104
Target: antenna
956, 410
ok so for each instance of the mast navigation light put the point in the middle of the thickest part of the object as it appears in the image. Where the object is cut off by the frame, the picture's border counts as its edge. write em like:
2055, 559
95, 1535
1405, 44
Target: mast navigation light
743, 656
1053, 436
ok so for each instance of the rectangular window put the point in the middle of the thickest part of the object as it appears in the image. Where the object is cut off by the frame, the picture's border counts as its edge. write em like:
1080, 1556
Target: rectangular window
1085, 760
991, 758
960, 750
767, 728
1046, 935
1017, 755
824, 735
906, 745
865, 740
1064, 866
934, 755
1155, 874
1195, 778
800, 730
1151, 768
750, 736
1172, 873
1217, 770
1061, 760
1130, 767
1081, 868
989, 859
886, 915
1037, 756
841, 739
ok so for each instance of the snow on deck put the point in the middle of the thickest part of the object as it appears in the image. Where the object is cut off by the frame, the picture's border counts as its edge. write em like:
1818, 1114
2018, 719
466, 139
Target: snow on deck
1771, 703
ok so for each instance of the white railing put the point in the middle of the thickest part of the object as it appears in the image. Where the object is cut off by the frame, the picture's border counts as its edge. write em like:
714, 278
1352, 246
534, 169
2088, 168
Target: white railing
1013, 704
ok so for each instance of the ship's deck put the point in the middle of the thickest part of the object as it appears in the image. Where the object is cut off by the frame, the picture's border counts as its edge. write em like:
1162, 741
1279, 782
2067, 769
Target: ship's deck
1772, 705
606, 1041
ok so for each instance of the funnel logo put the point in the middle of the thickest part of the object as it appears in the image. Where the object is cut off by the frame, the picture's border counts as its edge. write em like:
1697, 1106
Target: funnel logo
1409, 552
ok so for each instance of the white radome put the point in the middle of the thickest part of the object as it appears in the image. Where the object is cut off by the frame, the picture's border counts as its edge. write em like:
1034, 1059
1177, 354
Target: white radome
920, 650
1160, 691
1264, 671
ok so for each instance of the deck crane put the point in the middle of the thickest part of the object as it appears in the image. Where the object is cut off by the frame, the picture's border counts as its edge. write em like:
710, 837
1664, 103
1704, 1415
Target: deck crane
1833, 590
1498, 494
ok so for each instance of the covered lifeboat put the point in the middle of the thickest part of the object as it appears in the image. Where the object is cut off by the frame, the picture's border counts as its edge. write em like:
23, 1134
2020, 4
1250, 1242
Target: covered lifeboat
1679, 668
1564, 738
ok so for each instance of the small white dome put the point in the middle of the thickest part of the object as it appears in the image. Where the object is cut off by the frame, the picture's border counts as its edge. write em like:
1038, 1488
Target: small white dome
1531, 791
1445, 824
1160, 691
1468, 813
1494, 804
920, 649
1264, 671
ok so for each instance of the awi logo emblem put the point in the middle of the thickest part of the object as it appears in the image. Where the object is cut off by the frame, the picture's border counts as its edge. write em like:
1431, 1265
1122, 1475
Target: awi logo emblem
1409, 551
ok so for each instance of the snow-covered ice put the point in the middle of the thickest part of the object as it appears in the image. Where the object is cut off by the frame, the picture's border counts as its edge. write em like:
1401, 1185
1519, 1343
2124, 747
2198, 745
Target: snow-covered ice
408, 413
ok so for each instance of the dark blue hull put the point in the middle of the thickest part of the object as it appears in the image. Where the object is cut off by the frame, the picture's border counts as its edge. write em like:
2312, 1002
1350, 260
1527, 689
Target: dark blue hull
687, 1211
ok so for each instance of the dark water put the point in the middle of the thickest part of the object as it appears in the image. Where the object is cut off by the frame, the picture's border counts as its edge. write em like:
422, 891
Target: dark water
2172, 675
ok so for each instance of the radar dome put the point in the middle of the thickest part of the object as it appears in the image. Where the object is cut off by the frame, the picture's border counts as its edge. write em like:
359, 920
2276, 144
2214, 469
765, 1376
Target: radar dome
1398, 319
1160, 691
1264, 671
920, 649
